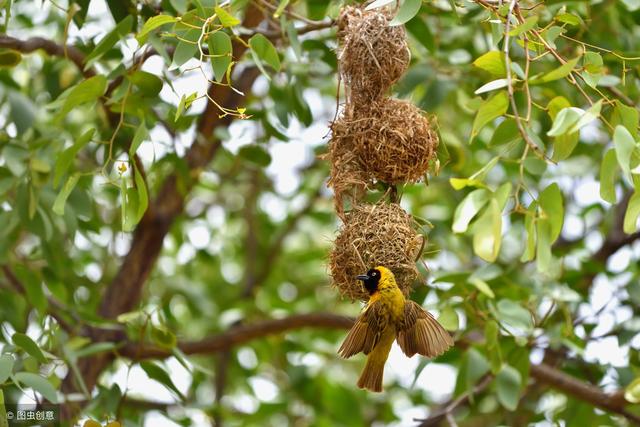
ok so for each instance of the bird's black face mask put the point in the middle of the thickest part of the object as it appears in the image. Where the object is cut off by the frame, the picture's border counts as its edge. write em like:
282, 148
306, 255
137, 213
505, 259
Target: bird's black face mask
370, 280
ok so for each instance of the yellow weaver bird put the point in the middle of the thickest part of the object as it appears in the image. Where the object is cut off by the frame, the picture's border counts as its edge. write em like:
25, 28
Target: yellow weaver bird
389, 316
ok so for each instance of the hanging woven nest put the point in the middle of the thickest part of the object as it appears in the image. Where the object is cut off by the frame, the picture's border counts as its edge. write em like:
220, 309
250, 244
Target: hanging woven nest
381, 234
391, 141
347, 177
372, 54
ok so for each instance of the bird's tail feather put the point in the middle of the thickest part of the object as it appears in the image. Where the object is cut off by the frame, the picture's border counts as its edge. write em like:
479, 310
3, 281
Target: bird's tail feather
371, 377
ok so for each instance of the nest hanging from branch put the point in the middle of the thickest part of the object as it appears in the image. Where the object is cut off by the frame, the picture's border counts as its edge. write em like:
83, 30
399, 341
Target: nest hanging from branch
391, 141
381, 234
347, 177
372, 54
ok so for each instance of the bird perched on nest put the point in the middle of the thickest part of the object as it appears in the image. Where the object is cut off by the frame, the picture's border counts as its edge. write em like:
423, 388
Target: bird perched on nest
389, 316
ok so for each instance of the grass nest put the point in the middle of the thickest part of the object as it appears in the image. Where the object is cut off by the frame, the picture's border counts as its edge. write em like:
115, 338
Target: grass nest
372, 54
390, 140
347, 177
375, 234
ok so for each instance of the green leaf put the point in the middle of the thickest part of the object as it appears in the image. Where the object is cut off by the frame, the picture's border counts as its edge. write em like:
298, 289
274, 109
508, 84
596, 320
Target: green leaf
460, 183
84, 92
588, 116
220, 48
592, 62
141, 134
122, 29
185, 102
481, 173
608, 172
95, 348
33, 287
421, 31
506, 132
492, 85
22, 112
502, 195
535, 165
152, 24
264, 51
6, 366
476, 367
163, 337
508, 383
179, 5
493, 62
449, 319
565, 120
627, 117
39, 384
492, 335
63, 195
556, 105
157, 373
148, 83
185, 50
564, 145
67, 156
529, 225
143, 196
632, 391
550, 201
568, 18
527, 25
487, 233
129, 206
255, 154
543, 248
491, 109
562, 71
225, 18
552, 33
514, 315
134, 318
9, 58
294, 41
632, 213
482, 286
316, 9
624, 145
408, 9
28, 345
468, 208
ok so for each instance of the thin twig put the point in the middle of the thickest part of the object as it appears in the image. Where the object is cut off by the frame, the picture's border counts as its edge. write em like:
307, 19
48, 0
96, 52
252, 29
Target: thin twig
510, 91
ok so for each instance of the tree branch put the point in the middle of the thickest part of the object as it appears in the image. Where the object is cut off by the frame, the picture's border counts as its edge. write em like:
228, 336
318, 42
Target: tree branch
543, 373
241, 334
588, 393
49, 46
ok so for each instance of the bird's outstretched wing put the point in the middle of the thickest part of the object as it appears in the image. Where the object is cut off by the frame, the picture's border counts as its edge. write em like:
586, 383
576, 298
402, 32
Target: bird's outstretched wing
419, 332
366, 332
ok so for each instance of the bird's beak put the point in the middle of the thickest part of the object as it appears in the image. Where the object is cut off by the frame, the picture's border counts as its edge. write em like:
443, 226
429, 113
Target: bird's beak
362, 277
